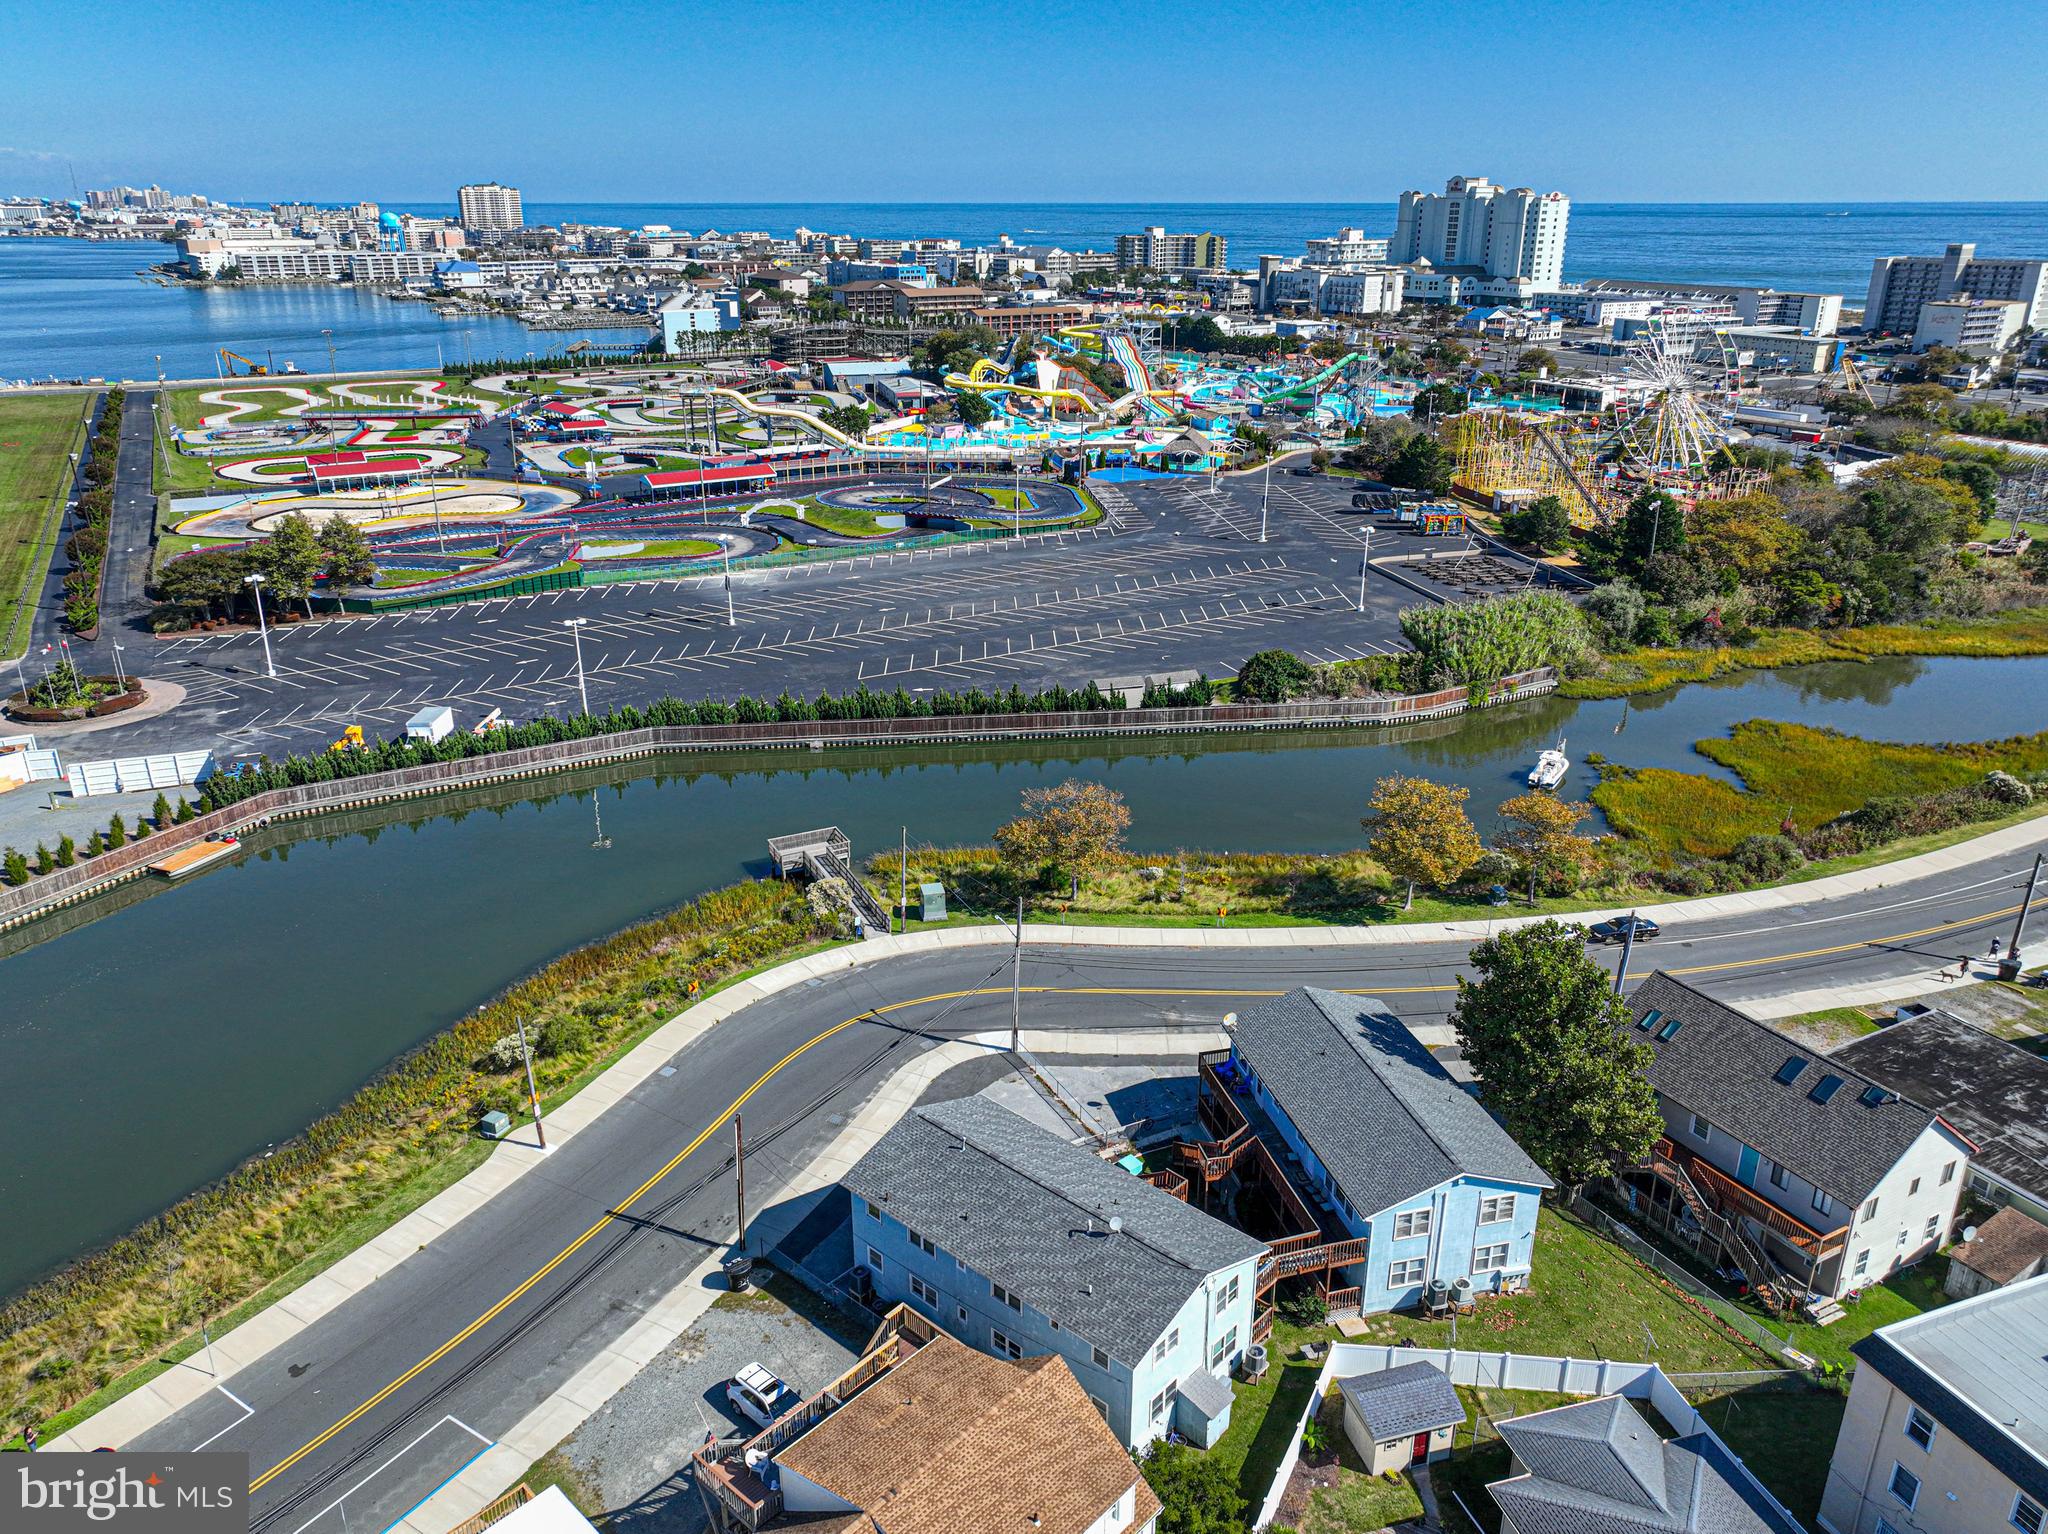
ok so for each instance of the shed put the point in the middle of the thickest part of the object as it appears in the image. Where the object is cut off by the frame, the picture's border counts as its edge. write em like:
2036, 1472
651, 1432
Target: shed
2003, 1250
1401, 1416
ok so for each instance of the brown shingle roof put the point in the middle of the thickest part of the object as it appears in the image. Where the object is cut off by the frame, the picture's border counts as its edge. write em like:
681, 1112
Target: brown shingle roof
951, 1441
2008, 1247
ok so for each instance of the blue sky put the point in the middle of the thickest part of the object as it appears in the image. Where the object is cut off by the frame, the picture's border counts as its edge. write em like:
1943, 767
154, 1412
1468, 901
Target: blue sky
1113, 100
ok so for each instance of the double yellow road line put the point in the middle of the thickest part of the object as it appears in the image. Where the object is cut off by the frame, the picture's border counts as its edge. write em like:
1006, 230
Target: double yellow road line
768, 1075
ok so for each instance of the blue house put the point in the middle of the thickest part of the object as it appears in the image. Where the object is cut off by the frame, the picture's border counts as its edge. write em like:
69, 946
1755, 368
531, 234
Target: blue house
1023, 1245
1400, 1156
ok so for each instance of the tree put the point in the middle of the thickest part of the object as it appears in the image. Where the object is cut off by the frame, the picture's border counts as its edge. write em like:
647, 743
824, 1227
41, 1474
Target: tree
1543, 523
160, 811
1197, 1492
117, 832
1420, 463
1436, 402
850, 420
15, 868
1652, 523
67, 852
1541, 831
1550, 1043
1749, 536
1536, 360
346, 556
1065, 831
1615, 613
1272, 676
973, 409
1420, 832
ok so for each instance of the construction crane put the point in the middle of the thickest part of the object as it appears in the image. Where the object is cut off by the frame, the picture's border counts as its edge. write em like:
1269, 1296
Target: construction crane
248, 369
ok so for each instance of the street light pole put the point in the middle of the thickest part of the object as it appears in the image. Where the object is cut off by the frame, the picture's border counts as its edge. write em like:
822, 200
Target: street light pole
119, 676
1265, 490
254, 580
575, 628
1364, 563
2010, 969
725, 557
1017, 979
532, 1091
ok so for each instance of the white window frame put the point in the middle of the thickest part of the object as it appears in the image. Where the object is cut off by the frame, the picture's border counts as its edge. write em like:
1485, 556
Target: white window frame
2022, 1500
1416, 1222
1702, 1128
1227, 1295
874, 1210
1870, 1209
1492, 1258
1933, 1228
1948, 1174
1913, 1188
920, 1290
1862, 1268
1406, 1272
1501, 1207
1006, 1346
1161, 1404
1914, 1417
1003, 1296
875, 1260
924, 1244
1225, 1346
1100, 1357
1891, 1485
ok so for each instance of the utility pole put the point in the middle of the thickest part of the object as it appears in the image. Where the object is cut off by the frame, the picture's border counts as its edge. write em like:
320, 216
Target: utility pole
739, 1166
725, 556
1364, 563
1017, 979
903, 882
1628, 947
2009, 969
1265, 490
532, 1091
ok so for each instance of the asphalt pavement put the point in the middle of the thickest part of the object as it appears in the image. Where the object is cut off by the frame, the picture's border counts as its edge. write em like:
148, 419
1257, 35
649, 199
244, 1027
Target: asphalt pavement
384, 1397
1177, 578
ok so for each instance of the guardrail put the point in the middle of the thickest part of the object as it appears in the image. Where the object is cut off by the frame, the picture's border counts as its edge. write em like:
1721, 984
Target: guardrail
68, 885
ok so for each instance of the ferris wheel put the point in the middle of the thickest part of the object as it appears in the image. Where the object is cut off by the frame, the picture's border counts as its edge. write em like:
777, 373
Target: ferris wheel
1674, 432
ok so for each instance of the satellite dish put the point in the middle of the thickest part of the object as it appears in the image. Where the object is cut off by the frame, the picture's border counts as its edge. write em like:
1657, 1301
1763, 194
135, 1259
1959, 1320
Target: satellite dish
1969, 1234
1116, 1222
1230, 1019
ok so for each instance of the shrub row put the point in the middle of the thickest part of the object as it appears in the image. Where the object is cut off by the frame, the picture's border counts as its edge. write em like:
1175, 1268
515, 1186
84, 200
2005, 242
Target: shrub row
18, 868
226, 788
87, 548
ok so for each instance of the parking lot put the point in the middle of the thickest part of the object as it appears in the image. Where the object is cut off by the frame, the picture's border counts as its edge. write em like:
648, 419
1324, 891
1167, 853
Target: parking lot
1175, 578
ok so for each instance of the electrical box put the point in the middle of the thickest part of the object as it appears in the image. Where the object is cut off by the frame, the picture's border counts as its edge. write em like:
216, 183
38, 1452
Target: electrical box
931, 902
494, 1125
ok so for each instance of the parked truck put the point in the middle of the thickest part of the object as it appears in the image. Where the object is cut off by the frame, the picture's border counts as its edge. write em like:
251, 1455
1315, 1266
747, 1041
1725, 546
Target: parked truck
433, 723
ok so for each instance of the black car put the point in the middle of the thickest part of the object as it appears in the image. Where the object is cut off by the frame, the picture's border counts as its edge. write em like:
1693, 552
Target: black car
1305, 473
1616, 930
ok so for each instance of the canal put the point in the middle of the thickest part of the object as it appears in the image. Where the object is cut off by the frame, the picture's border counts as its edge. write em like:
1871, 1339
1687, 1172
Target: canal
153, 1038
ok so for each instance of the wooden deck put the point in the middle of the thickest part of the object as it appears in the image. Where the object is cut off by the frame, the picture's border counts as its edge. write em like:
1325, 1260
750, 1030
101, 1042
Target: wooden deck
189, 860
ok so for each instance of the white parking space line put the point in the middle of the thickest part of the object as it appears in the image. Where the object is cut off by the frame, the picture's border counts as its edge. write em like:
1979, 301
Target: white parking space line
248, 1411
487, 1444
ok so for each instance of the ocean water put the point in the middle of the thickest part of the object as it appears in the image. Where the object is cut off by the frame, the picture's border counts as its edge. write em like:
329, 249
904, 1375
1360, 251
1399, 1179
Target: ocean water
74, 308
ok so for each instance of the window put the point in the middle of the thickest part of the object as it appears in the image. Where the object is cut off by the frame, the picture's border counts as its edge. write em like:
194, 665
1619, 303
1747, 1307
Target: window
1870, 1210
1100, 1405
1498, 1210
924, 1244
1670, 1029
1902, 1239
1414, 1223
1490, 1259
1933, 1225
875, 1260
1822, 1202
874, 1210
1116, 1511
1920, 1427
1780, 1178
960, 1311
1789, 1071
1159, 1351
1948, 1174
1005, 1347
1223, 1349
1226, 1296
1160, 1403
1650, 1019
1407, 1272
1904, 1484
1824, 1090
1913, 1187
1004, 1297
920, 1290
1862, 1262
1101, 1359
1173, 1340
1701, 1129
1885, 1528
2028, 1515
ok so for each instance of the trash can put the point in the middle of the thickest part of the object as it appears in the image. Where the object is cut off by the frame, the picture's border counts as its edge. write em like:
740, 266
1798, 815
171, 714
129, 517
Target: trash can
738, 1273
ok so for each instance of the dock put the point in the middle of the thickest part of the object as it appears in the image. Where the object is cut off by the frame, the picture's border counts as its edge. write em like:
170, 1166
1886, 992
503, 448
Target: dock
189, 860
826, 857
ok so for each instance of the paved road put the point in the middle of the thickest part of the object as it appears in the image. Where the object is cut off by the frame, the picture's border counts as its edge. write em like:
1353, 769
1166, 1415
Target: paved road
1178, 580
385, 1396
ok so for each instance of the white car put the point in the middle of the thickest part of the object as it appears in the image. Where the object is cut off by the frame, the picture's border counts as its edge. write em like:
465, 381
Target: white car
759, 1396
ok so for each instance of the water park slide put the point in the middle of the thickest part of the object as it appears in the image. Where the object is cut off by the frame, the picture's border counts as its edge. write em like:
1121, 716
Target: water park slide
1125, 354
1309, 385
1001, 385
791, 413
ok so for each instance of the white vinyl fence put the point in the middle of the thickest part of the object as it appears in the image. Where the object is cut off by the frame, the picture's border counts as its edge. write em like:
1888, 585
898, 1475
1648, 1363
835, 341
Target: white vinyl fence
1509, 1371
126, 774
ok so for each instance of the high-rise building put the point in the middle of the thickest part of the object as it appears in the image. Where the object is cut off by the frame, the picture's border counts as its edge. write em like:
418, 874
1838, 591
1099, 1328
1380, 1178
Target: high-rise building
1900, 285
1348, 247
1487, 230
1158, 251
488, 208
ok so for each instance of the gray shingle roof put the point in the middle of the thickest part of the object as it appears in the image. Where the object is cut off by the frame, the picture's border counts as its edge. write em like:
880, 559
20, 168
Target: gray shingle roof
1596, 1467
1207, 1392
1024, 1208
1722, 1064
1403, 1401
1994, 1092
1377, 1110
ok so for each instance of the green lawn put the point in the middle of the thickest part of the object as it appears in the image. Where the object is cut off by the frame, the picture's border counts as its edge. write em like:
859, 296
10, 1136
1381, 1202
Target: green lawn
38, 432
675, 548
1786, 1437
1904, 1295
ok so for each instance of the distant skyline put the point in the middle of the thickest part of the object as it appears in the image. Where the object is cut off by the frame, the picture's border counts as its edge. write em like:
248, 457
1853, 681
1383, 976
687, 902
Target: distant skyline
1202, 101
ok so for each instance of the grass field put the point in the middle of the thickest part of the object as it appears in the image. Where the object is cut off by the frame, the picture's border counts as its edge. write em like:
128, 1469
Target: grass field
675, 548
38, 432
1792, 770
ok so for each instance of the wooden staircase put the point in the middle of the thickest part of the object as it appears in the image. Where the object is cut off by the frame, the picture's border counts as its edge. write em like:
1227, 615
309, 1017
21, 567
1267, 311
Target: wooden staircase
1668, 1165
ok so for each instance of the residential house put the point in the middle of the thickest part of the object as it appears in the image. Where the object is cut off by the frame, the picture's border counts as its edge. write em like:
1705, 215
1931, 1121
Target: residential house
925, 1435
1403, 1416
1780, 1152
1596, 1467
1994, 1092
1022, 1244
2006, 1249
1404, 1159
1946, 1430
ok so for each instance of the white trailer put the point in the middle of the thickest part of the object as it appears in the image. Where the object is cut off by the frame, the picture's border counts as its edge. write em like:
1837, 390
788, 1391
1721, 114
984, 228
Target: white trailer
433, 723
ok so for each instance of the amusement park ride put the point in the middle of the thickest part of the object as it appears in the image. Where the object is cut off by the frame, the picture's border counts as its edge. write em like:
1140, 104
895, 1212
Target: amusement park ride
1669, 434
